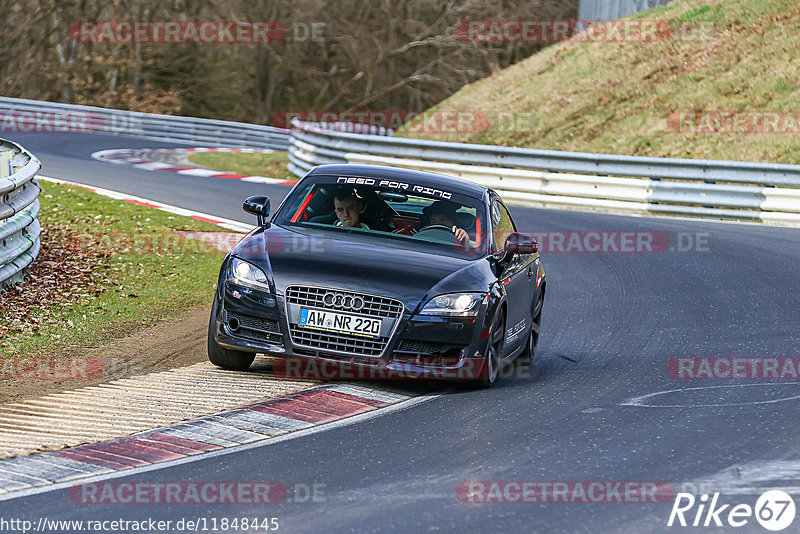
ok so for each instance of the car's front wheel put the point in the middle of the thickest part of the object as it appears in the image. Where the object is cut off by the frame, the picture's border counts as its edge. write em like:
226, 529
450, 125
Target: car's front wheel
533, 337
222, 357
493, 354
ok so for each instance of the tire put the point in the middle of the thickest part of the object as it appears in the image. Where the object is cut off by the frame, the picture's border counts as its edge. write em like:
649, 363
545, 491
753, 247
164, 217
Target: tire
493, 351
533, 337
222, 357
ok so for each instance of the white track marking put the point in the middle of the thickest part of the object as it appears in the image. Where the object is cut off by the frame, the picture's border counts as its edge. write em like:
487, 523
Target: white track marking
219, 221
153, 166
132, 158
260, 180
198, 172
641, 401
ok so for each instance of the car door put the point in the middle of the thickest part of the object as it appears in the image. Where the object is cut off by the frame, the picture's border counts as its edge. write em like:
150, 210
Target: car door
515, 279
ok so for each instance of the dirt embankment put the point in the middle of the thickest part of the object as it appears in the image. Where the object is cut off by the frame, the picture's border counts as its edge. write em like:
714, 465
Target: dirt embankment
153, 348
92, 311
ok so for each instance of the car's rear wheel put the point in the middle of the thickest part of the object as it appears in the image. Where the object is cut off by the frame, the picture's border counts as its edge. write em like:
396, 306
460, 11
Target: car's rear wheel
222, 357
493, 354
533, 337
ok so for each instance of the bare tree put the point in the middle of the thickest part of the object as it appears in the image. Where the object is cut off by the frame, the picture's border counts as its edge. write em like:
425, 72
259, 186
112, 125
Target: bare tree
365, 54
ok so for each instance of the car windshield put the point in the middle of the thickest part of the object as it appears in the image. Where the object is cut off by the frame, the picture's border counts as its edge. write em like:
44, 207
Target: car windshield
397, 214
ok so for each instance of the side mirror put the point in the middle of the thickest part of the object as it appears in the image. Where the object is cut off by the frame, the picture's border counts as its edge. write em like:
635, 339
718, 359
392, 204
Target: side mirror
517, 243
257, 205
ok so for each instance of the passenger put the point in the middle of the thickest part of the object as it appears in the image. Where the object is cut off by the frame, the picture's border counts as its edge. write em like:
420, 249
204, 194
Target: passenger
443, 213
348, 208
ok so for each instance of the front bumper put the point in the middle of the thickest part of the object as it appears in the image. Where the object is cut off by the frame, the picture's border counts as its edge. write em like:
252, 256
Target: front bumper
420, 346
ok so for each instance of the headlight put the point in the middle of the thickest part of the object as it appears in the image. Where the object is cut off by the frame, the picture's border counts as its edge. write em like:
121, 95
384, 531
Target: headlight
246, 274
458, 304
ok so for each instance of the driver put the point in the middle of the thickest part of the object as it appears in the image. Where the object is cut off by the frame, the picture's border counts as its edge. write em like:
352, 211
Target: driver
443, 213
348, 208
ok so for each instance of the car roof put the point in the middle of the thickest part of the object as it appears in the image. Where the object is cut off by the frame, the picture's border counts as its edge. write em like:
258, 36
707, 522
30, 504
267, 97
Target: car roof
424, 178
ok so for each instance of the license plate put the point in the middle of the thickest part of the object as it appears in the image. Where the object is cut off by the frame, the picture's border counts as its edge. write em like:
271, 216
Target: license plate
340, 322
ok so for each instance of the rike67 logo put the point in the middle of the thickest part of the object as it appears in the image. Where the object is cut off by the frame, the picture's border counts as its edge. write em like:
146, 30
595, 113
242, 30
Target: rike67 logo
774, 510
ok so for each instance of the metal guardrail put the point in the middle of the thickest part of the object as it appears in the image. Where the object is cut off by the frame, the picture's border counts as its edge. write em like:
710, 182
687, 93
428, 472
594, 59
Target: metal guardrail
625, 184
37, 116
19, 208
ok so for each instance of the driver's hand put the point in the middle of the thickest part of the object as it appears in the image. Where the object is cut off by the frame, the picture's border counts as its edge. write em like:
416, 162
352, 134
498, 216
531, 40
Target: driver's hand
460, 233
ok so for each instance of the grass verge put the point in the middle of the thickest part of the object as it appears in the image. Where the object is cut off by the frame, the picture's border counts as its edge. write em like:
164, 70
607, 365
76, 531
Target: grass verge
272, 165
623, 97
106, 269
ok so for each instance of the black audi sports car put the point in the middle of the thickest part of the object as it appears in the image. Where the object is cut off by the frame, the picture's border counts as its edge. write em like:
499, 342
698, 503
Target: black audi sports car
386, 271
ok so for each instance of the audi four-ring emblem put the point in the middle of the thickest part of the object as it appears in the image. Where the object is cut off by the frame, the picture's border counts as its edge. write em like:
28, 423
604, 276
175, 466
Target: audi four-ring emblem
342, 301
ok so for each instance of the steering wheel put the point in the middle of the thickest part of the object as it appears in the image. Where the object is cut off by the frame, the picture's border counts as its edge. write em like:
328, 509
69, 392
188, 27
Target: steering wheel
464, 245
439, 233
435, 227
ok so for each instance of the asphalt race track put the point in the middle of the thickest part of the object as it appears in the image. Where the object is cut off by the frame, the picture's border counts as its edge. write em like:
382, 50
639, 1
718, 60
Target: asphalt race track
612, 321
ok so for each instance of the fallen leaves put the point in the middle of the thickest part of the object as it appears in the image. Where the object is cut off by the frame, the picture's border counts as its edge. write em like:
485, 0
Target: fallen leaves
64, 275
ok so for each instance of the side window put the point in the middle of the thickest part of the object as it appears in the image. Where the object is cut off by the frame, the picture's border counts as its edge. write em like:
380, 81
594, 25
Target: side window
502, 225
297, 211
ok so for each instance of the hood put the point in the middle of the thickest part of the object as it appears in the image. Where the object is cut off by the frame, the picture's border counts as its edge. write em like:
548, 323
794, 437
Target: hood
294, 258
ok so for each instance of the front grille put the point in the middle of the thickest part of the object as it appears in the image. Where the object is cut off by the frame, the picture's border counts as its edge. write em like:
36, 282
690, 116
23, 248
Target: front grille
373, 305
352, 345
257, 328
337, 357
338, 342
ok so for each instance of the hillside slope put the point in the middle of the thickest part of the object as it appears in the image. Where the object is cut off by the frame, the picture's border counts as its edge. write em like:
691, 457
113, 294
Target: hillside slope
732, 60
